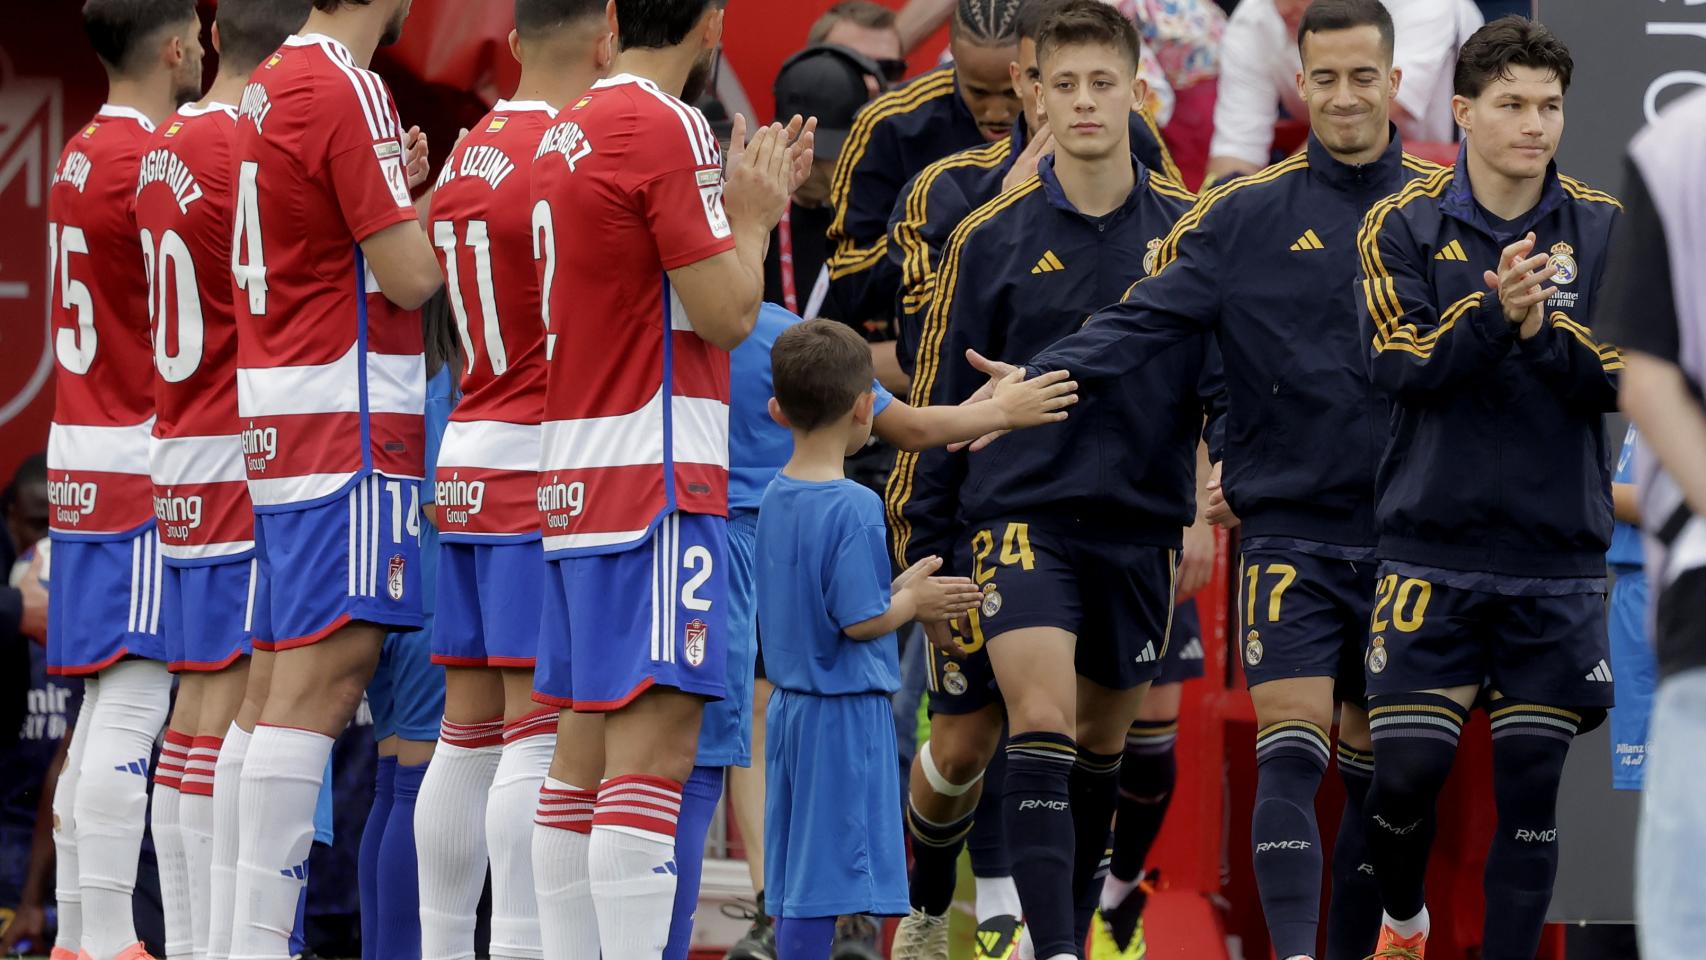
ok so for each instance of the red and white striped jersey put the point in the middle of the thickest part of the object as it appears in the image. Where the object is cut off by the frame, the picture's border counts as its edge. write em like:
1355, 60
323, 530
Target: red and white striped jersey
487, 236
328, 389
103, 409
636, 406
183, 215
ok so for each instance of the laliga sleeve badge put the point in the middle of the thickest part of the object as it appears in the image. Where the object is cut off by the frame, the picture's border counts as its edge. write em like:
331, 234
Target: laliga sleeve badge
1150, 258
1564, 261
953, 680
1377, 656
991, 601
1253, 649
394, 577
695, 642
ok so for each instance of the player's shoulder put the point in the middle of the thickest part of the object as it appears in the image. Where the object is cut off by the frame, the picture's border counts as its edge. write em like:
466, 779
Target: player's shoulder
1415, 206
853, 505
113, 132
907, 107
198, 131
1172, 193
1253, 194
322, 71
671, 127
990, 222
1596, 202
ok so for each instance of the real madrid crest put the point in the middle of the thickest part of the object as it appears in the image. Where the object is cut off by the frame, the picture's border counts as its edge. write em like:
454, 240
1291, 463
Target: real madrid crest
1377, 656
1150, 257
991, 601
953, 681
1253, 648
1564, 261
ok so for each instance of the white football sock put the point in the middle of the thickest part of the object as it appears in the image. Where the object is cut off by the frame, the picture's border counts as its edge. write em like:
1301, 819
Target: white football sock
562, 841
68, 885
227, 787
1407, 928
510, 807
280, 787
195, 824
112, 798
450, 836
996, 896
174, 870
632, 863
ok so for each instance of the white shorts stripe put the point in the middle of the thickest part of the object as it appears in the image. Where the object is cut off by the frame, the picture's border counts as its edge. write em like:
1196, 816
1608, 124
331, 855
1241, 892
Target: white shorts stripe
657, 547
667, 609
135, 581
145, 591
249, 604
349, 557
158, 580
373, 538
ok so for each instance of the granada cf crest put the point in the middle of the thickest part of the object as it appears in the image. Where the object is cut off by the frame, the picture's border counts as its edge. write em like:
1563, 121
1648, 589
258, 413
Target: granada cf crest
394, 577
1377, 656
694, 647
1563, 258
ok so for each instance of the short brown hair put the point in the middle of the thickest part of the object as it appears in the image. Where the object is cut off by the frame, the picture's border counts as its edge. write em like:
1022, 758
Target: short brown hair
818, 370
250, 30
1088, 22
331, 6
1326, 16
1507, 42
864, 13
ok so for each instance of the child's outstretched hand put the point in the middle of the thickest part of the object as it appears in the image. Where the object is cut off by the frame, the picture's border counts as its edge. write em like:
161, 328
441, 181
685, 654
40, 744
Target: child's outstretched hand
935, 599
1033, 402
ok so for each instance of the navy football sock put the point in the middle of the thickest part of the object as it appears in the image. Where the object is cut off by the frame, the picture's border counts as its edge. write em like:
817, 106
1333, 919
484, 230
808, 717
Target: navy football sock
367, 856
1094, 790
1530, 743
1353, 914
1039, 826
935, 860
1291, 757
1147, 774
699, 796
987, 842
399, 891
1415, 742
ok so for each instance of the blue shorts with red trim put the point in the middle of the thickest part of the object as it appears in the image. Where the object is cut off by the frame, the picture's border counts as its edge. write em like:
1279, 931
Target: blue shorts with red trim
356, 557
209, 616
103, 602
488, 602
406, 694
616, 624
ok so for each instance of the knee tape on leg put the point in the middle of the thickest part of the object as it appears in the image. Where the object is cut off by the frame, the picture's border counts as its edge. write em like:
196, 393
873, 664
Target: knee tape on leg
939, 783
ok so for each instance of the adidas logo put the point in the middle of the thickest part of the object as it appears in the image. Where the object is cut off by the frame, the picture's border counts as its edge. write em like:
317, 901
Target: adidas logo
668, 867
1192, 650
1048, 264
1452, 251
298, 872
1148, 654
138, 767
1309, 241
1601, 673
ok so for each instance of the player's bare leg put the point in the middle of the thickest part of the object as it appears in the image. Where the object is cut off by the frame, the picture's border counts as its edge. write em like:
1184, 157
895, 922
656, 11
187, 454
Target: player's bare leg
313, 694
1412, 761
1147, 772
529, 740
165, 813
450, 814
562, 837
1105, 716
946, 784
1034, 668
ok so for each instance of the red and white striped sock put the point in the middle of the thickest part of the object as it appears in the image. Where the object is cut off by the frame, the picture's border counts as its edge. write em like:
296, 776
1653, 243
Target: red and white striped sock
562, 834
450, 835
529, 743
169, 844
632, 857
195, 823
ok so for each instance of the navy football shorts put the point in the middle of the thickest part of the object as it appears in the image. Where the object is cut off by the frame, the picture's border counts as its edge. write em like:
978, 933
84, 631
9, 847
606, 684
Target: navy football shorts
1116, 597
1184, 657
1551, 650
1303, 615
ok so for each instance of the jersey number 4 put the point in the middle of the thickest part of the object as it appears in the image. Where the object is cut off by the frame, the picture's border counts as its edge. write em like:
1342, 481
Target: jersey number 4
248, 255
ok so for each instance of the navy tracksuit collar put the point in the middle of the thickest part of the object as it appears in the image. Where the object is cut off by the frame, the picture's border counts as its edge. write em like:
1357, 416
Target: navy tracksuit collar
1459, 201
1376, 174
1056, 195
